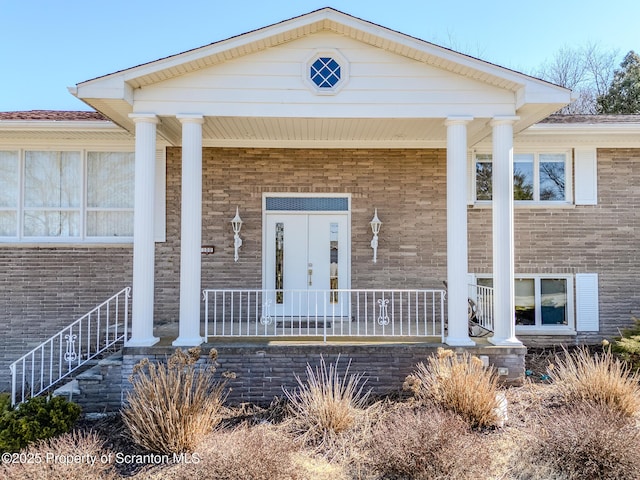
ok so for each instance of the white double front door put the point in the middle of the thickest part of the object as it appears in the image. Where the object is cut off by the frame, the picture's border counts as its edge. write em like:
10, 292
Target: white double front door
306, 261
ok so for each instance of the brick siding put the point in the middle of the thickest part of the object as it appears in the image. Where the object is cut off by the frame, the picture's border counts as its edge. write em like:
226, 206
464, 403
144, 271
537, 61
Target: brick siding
43, 289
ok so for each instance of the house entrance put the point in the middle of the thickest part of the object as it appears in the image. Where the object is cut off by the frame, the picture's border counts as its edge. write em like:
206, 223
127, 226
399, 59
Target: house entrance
306, 257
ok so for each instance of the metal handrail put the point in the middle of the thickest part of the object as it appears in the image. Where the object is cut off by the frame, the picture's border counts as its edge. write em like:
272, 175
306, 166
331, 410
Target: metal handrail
325, 313
104, 327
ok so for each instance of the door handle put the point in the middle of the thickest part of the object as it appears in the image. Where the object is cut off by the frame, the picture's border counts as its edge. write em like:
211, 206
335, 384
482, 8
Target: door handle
310, 274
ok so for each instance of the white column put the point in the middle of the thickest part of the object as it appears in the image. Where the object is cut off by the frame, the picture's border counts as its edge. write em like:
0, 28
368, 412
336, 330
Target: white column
503, 244
143, 241
191, 231
457, 261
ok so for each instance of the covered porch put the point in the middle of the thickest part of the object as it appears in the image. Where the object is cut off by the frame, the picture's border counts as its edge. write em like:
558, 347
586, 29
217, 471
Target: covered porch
321, 106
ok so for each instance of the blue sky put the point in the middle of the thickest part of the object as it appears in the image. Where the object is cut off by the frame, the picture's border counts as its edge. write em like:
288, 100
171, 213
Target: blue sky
49, 45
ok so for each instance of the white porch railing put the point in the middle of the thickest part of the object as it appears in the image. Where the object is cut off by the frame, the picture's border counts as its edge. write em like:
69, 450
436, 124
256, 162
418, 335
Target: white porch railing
480, 310
104, 327
324, 313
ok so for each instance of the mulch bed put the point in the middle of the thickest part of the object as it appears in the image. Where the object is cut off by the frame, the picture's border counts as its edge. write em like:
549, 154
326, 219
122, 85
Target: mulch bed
114, 432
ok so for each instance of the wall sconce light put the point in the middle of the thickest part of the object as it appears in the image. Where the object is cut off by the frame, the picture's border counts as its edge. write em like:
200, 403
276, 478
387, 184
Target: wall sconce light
236, 223
375, 228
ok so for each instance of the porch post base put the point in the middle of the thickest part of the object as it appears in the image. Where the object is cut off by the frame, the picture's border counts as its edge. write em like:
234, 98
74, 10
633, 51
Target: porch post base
459, 342
505, 342
142, 342
188, 341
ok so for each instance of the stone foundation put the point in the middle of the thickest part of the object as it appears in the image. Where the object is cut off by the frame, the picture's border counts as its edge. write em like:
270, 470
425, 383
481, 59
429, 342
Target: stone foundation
262, 370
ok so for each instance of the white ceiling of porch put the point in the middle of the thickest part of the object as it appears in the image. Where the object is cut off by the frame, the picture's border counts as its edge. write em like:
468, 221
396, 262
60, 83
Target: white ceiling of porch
325, 132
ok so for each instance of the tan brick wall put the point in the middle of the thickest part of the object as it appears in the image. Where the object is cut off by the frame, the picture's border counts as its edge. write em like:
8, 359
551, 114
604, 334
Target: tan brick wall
407, 186
599, 239
44, 289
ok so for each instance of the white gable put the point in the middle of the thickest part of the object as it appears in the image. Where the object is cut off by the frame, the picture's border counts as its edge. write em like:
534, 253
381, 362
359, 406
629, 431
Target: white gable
253, 87
272, 83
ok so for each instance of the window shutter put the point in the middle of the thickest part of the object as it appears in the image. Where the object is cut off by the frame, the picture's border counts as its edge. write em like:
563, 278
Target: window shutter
587, 312
159, 219
586, 167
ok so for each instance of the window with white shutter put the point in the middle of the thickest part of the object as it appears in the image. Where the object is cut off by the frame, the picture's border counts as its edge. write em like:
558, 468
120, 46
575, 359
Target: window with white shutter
586, 167
587, 310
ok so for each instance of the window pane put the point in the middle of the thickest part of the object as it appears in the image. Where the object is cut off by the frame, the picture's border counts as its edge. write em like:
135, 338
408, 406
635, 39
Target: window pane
485, 282
8, 224
110, 224
484, 172
552, 177
51, 224
554, 301
279, 262
110, 179
525, 301
333, 259
8, 179
52, 179
523, 177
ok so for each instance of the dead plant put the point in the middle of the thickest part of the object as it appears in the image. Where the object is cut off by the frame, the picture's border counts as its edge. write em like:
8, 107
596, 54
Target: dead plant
576, 442
426, 443
327, 403
173, 404
460, 383
71, 456
259, 452
599, 379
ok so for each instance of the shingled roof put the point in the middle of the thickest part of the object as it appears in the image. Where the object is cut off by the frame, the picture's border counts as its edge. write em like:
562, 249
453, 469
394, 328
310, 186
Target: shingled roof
54, 116
592, 119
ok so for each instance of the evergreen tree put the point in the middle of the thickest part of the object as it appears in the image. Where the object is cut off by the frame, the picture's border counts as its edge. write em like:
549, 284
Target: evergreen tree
623, 96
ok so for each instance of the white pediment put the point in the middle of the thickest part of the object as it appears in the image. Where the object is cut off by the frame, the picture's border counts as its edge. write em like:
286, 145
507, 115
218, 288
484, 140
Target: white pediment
261, 74
272, 83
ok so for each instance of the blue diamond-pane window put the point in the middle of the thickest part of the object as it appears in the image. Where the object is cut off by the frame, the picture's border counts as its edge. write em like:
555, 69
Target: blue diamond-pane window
325, 72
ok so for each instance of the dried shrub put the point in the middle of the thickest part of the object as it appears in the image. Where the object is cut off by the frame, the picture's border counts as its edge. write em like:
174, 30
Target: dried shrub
173, 405
327, 403
257, 453
426, 443
459, 383
599, 379
71, 456
578, 442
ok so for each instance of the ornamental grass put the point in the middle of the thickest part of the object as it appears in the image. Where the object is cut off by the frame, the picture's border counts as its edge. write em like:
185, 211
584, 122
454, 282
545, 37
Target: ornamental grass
459, 383
326, 404
598, 379
174, 404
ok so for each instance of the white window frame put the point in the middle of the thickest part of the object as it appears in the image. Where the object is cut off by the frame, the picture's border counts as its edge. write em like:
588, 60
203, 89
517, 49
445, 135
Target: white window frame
539, 328
568, 168
83, 209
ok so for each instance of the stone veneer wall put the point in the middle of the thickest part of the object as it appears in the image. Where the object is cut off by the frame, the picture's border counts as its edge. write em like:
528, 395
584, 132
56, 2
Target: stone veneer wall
262, 370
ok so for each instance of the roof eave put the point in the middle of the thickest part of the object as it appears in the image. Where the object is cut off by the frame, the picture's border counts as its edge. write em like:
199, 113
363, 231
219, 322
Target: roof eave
582, 129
